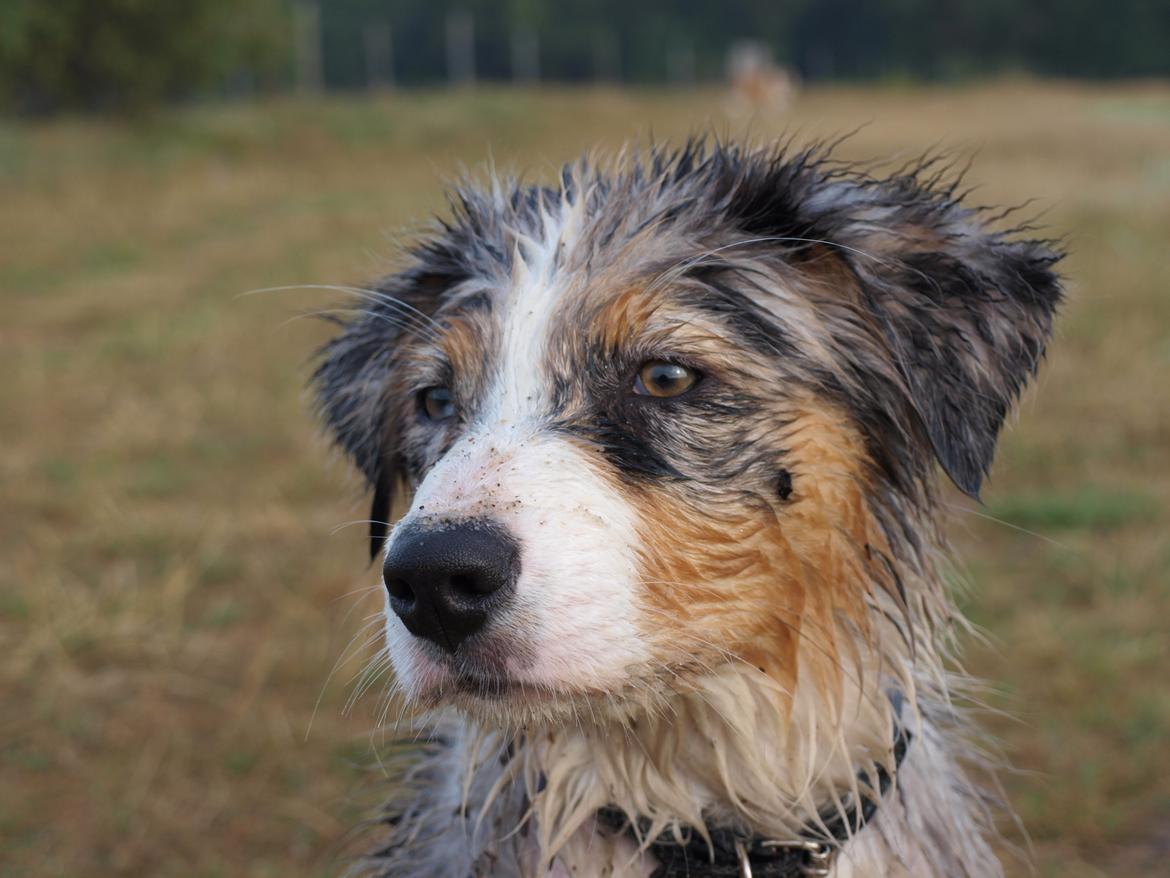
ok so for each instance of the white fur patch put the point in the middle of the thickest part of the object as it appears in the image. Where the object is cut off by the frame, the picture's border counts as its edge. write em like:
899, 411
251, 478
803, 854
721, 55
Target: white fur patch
572, 625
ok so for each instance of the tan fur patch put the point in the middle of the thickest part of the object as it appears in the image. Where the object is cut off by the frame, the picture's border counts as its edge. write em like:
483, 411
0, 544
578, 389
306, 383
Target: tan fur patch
776, 584
623, 315
463, 343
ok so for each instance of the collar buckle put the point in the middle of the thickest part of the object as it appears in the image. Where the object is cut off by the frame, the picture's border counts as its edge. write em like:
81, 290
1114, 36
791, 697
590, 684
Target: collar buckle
818, 856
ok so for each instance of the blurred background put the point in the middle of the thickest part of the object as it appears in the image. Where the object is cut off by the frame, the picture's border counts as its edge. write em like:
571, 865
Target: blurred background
181, 602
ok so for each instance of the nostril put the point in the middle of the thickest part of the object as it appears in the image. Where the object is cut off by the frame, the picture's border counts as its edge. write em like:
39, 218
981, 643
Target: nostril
464, 583
400, 589
473, 584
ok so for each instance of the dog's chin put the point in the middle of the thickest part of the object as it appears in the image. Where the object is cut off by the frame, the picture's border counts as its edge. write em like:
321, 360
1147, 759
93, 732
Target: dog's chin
490, 692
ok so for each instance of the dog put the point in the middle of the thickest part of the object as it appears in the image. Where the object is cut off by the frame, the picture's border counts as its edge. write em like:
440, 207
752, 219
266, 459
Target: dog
670, 584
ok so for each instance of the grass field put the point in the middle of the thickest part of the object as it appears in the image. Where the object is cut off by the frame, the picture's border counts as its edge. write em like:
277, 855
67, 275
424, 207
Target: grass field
173, 587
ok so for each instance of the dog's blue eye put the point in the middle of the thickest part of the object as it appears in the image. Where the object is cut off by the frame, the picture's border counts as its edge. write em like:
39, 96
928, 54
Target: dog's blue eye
662, 379
438, 403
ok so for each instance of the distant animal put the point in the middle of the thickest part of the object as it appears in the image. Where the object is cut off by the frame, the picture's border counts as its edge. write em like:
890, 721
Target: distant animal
757, 83
668, 590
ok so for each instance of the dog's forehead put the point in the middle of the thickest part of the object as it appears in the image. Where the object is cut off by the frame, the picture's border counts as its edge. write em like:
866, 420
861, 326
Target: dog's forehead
580, 262
595, 225
540, 311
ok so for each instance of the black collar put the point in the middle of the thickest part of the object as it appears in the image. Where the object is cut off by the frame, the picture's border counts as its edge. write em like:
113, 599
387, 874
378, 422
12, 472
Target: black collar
732, 854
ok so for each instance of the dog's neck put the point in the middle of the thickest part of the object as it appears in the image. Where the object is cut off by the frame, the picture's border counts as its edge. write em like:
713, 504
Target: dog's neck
725, 753
733, 749
737, 848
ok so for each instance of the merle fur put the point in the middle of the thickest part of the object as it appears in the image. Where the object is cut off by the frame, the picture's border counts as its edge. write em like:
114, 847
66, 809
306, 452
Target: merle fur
955, 314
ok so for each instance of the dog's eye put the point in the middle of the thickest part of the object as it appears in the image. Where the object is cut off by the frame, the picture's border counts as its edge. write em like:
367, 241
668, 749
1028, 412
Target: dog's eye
437, 403
662, 379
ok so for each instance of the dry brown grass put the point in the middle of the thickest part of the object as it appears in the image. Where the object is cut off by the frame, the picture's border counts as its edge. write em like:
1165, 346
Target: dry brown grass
172, 594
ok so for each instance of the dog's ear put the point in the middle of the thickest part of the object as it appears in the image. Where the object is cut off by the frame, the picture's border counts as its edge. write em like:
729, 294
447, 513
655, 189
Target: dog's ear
353, 384
960, 312
965, 313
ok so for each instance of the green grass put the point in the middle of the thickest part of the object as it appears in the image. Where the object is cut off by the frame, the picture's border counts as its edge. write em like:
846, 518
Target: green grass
1089, 507
173, 595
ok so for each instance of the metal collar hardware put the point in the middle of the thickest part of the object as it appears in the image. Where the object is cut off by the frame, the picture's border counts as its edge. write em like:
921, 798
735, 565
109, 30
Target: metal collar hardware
818, 856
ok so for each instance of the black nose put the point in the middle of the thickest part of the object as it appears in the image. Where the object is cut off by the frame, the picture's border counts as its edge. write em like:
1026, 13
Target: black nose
445, 582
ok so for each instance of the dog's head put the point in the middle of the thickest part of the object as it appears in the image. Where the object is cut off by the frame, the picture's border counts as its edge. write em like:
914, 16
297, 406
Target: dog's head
682, 414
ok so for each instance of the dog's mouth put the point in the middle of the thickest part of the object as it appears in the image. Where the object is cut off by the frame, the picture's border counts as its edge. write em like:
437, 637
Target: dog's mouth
516, 699
498, 695
481, 672
493, 686
509, 672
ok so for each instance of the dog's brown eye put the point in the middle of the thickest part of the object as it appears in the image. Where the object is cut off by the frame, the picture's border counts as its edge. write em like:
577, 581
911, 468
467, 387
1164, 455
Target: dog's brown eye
662, 379
437, 403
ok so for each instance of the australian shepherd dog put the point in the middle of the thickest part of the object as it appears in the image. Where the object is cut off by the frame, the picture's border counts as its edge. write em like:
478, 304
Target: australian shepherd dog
653, 460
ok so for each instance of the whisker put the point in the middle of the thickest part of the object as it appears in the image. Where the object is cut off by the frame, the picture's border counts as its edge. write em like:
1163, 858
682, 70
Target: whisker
337, 529
971, 511
421, 321
345, 655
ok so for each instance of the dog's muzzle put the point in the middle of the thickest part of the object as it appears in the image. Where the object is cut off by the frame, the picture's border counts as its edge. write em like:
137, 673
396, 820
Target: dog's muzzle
447, 580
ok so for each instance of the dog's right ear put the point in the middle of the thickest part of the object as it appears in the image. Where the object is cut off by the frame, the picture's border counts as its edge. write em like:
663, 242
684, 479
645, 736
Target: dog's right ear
353, 384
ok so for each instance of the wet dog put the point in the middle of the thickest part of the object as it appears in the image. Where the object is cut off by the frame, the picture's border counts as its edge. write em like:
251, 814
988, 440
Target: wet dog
669, 581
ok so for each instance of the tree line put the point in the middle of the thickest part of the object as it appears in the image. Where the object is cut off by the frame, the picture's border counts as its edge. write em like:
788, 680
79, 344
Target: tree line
131, 54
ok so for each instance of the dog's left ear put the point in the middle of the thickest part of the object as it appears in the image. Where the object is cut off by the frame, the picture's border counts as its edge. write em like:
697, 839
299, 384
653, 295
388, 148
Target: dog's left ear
355, 389
965, 312
351, 383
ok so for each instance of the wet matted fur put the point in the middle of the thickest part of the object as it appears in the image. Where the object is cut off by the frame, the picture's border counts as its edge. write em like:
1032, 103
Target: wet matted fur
729, 600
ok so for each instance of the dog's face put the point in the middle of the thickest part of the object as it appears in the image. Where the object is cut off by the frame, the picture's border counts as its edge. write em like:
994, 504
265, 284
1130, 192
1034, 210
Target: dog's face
660, 421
